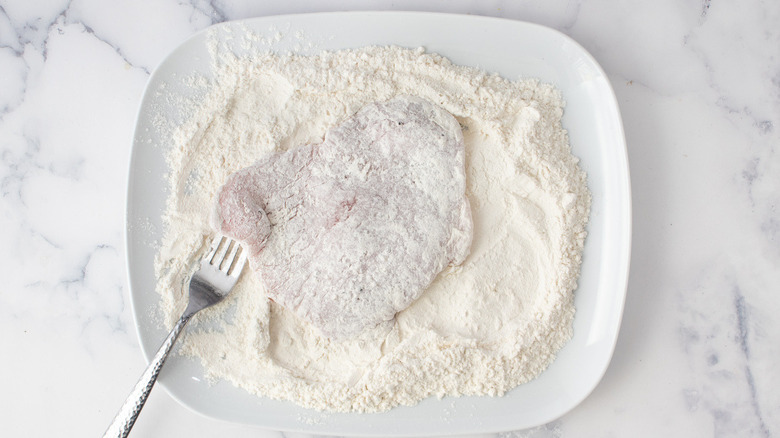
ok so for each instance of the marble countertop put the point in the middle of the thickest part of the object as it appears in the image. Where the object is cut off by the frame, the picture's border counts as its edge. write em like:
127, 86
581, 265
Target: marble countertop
698, 84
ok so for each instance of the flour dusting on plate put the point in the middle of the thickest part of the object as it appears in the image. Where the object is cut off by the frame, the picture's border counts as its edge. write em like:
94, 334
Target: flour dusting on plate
482, 328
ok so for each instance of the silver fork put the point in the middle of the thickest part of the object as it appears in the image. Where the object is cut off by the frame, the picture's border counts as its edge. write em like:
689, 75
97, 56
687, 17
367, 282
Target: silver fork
218, 273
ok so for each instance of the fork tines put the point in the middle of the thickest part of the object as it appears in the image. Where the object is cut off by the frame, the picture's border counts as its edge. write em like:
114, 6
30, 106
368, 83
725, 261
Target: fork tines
227, 255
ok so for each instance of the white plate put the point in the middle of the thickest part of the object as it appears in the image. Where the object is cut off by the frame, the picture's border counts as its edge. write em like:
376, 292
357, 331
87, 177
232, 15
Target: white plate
513, 49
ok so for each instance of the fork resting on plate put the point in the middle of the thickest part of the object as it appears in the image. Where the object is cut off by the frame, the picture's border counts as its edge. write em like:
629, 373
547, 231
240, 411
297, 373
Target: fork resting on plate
218, 273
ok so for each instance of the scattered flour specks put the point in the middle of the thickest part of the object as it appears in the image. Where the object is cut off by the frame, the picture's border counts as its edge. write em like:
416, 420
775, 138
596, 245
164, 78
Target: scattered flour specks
481, 328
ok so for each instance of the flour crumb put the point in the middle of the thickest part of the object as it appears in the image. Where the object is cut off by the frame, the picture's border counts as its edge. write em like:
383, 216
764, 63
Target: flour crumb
482, 328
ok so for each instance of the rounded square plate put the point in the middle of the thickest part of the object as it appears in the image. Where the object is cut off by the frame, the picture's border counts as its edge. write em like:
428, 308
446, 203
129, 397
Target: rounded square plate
511, 48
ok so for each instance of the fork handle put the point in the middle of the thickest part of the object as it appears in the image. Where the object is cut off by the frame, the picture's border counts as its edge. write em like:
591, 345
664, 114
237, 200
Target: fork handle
127, 415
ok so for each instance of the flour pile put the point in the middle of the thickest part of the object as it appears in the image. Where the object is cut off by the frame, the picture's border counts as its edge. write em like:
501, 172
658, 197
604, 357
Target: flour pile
481, 328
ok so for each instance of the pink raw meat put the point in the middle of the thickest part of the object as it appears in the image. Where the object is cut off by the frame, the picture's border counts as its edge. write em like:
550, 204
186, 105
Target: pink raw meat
348, 232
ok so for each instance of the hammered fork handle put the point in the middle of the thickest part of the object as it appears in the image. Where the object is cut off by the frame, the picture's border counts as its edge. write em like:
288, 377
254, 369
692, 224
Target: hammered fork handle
127, 415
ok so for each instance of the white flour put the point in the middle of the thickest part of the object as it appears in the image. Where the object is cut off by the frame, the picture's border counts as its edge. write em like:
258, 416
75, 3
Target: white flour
480, 329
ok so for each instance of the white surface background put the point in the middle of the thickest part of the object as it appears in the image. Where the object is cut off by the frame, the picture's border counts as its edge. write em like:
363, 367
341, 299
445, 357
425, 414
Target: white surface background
699, 88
